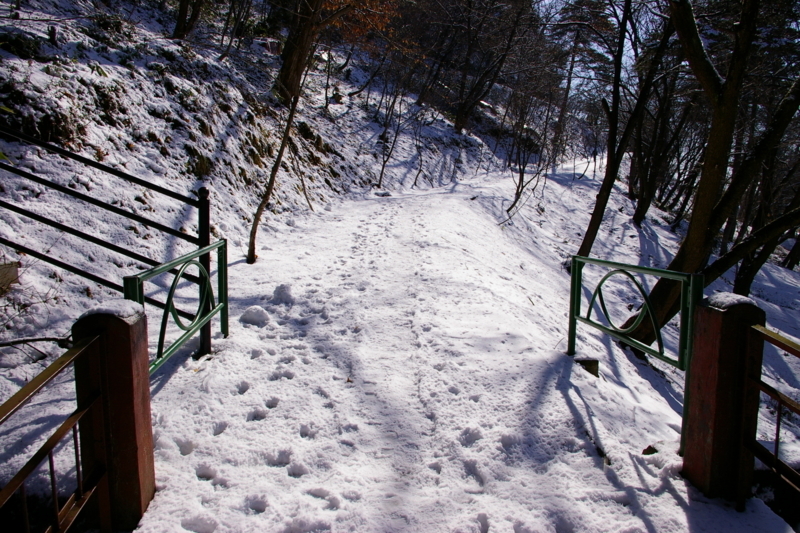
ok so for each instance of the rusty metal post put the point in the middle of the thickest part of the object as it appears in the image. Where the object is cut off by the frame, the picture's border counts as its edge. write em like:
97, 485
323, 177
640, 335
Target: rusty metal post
723, 407
120, 439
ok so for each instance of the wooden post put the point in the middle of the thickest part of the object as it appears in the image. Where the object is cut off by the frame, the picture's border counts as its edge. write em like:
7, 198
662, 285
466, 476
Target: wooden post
724, 405
121, 438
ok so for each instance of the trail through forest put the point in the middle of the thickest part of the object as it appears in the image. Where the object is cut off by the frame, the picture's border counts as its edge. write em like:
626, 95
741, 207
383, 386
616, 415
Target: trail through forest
396, 364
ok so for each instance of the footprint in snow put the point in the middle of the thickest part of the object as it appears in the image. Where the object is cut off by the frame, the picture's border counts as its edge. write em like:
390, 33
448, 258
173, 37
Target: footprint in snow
256, 414
296, 470
283, 458
470, 436
471, 470
351, 495
199, 524
205, 472
278, 374
322, 494
256, 503
185, 446
308, 431
483, 521
242, 387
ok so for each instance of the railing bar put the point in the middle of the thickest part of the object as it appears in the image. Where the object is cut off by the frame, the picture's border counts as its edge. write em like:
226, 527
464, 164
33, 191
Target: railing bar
13, 404
78, 472
669, 274
54, 489
776, 339
62, 265
99, 166
778, 429
147, 274
34, 462
65, 509
169, 352
631, 342
24, 494
69, 514
98, 203
161, 305
789, 474
80, 234
778, 395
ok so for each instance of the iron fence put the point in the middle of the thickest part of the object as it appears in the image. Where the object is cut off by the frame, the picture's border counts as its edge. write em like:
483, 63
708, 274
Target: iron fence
202, 239
61, 515
691, 287
207, 307
772, 458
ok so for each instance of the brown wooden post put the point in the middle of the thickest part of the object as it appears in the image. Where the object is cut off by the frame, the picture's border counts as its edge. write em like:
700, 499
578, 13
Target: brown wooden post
723, 406
117, 368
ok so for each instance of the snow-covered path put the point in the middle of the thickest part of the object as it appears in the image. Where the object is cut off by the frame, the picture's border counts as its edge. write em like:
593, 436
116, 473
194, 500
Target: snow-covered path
411, 379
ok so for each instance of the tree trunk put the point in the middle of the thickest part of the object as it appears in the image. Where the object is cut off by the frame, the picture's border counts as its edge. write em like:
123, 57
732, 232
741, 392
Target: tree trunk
616, 144
180, 23
306, 24
562, 114
251, 249
794, 255
752, 263
469, 97
723, 95
297, 48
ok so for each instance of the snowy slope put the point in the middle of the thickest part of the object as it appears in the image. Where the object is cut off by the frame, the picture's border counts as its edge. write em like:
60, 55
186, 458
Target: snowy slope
395, 363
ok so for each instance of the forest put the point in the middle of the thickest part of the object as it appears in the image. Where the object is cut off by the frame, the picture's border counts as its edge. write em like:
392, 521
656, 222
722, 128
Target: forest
694, 100
692, 104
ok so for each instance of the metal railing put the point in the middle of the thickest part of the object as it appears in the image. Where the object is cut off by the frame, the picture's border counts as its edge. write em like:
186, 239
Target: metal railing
63, 515
691, 293
207, 308
772, 459
202, 204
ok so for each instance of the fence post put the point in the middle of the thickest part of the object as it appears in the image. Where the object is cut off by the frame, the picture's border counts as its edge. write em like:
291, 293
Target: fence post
204, 235
724, 407
121, 439
575, 272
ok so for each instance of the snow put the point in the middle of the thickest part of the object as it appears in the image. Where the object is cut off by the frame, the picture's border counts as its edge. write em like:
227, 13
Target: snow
396, 358
726, 300
434, 395
125, 309
255, 315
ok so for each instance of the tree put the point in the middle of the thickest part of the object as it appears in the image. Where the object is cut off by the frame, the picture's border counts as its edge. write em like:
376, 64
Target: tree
309, 19
490, 40
618, 137
186, 21
713, 200
251, 248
